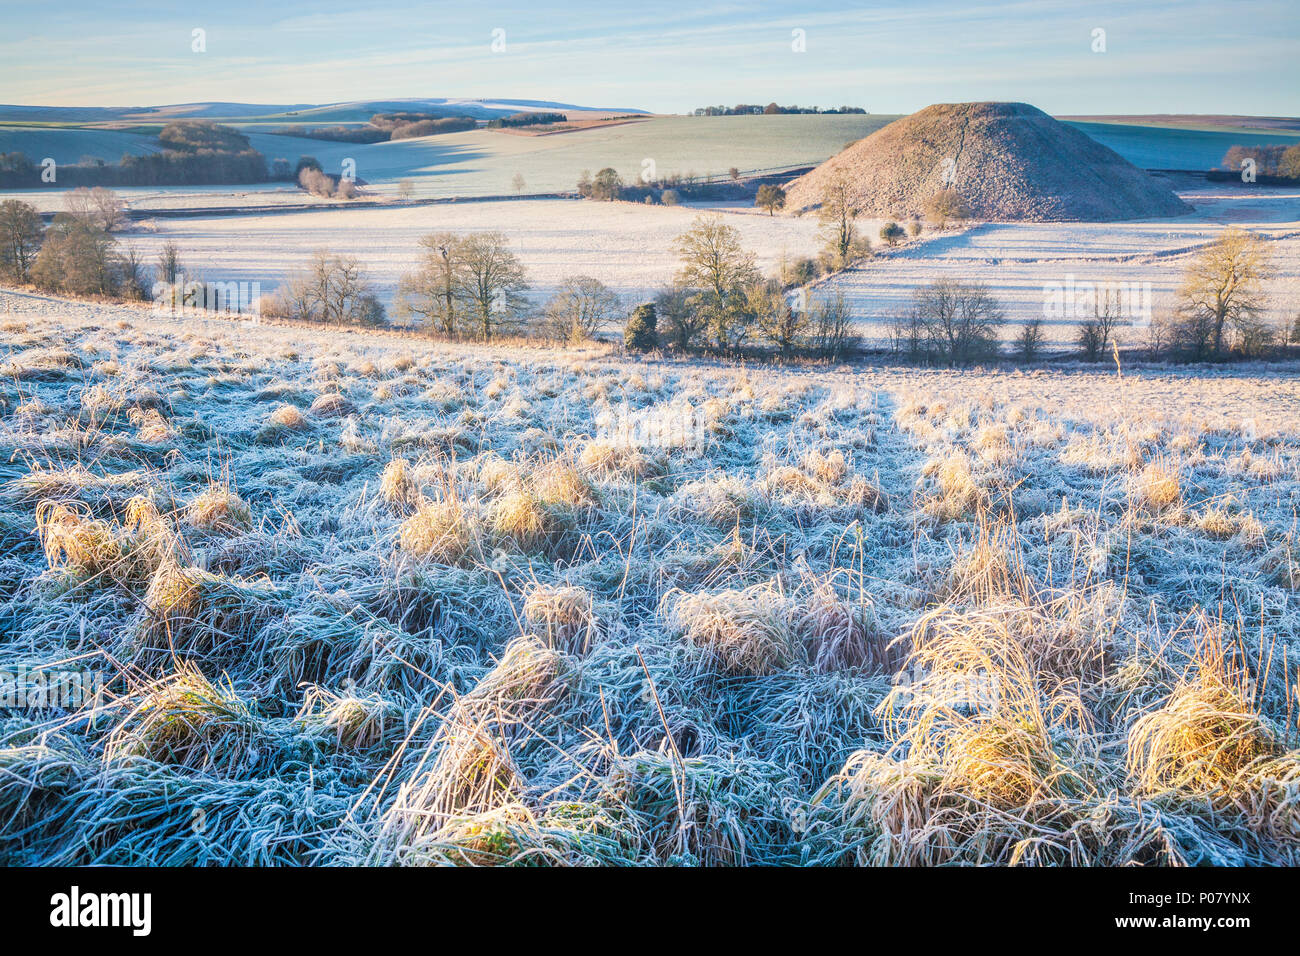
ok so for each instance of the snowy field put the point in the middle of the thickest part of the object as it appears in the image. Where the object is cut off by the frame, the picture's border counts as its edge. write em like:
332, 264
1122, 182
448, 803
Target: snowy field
629, 247
1019, 261
484, 162
625, 245
359, 598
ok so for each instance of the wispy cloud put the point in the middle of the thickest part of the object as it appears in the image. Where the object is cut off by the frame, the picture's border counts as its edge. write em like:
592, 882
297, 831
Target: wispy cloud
1188, 56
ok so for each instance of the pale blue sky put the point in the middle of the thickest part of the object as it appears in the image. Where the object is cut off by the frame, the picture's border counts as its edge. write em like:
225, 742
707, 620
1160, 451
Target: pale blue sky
1189, 56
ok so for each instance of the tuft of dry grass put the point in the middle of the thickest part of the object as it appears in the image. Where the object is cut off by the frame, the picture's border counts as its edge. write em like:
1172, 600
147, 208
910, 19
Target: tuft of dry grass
739, 632
563, 617
1158, 487
186, 721
288, 416
218, 509
442, 530
397, 486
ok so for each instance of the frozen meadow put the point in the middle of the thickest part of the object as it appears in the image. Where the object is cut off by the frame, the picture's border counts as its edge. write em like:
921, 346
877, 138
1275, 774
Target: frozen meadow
353, 597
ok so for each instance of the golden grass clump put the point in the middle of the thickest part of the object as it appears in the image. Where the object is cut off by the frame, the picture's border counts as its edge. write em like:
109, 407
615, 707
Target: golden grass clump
740, 632
563, 616
151, 427
397, 486
1207, 738
74, 540
830, 468
355, 723
1157, 487
288, 416
218, 509
332, 405
612, 459
187, 721
519, 517
559, 483
441, 530
958, 496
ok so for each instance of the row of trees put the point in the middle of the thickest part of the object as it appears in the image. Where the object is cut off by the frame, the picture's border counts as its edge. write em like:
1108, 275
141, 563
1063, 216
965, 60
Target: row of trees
194, 152
1221, 311
771, 109
77, 254
1270, 162
386, 126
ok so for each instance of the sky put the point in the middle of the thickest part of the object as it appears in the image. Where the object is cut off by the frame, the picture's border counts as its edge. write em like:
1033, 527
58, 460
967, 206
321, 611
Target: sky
1188, 56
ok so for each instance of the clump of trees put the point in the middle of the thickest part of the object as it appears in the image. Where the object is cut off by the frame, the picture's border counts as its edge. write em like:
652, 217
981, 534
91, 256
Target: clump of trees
194, 152
527, 119
470, 286
1280, 163
1221, 302
383, 127
320, 183
606, 187
946, 206
751, 109
770, 197
719, 301
950, 323
78, 254
333, 289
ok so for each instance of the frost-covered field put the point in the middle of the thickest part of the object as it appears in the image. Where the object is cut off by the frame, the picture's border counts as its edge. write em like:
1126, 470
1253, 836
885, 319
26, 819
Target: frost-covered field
484, 162
1018, 260
630, 248
627, 246
360, 598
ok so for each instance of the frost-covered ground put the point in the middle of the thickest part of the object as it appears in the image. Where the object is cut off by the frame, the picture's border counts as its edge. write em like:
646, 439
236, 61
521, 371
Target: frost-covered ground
630, 248
356, 597
1018, 260
627, 246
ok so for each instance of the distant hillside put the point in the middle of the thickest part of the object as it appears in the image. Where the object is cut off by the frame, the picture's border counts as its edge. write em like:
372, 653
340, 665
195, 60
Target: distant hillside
1009, 161
338, 112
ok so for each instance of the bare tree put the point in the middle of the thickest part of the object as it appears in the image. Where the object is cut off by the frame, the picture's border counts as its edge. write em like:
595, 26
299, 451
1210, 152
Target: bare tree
1222, 291
839, 233
581, 308
100, 206
492, 281
169, 263
1095, 333
333, 289
719, 269
433, 290
20, 238
831, 325
961, 319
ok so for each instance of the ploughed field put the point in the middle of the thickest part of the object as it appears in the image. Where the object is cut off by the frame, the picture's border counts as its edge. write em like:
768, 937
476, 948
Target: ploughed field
359, 598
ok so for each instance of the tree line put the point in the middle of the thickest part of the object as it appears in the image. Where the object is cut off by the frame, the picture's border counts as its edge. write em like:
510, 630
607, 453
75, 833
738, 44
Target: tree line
193, 153
772, 109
